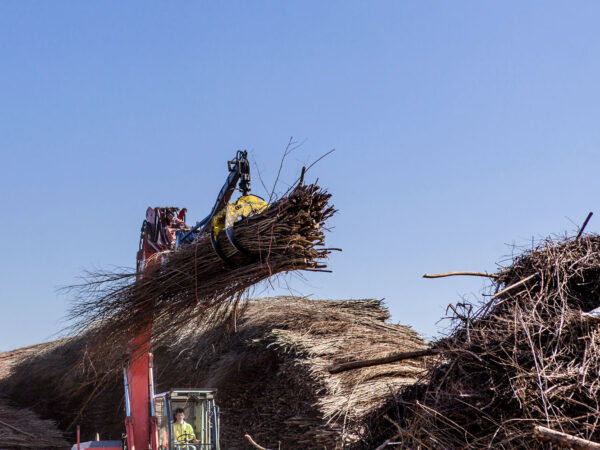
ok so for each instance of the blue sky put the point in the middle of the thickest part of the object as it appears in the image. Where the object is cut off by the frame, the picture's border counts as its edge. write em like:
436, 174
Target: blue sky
460, 129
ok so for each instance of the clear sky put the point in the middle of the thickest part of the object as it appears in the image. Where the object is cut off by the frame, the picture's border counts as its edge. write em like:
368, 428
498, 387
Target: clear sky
460, 129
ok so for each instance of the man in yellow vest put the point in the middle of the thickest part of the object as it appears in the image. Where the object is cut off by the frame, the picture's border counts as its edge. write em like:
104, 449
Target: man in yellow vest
182, 430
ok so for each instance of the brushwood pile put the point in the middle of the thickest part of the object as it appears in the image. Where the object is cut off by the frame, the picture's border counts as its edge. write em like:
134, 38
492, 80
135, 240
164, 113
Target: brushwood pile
528, 356
269, 367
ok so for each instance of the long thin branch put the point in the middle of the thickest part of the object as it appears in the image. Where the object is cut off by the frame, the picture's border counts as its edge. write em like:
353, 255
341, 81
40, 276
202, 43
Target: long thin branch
451, 274
305, 169
512, 286
320, 158
291, 146
260, 178
337, 368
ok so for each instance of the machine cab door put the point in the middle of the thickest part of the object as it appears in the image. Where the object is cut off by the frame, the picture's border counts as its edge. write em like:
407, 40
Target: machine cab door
161, 411
200, 427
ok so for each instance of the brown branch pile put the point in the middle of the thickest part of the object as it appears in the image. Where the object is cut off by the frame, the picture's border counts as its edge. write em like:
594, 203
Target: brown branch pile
270, 372
272, 376
193, 283
23, 429
531, 356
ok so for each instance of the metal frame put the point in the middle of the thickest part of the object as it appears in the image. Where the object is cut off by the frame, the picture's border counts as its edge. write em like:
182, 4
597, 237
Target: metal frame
214, 414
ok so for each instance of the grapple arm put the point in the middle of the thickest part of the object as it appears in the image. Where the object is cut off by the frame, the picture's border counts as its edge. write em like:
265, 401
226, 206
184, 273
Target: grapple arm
239, 171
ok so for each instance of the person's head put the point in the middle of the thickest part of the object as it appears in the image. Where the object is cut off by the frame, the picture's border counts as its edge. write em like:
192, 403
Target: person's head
179, 415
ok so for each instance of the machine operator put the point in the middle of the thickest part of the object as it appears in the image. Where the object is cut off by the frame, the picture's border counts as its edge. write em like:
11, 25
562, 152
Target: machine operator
183, 431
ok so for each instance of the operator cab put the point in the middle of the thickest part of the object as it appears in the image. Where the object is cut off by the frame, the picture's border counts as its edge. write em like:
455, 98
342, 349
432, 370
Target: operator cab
201, 413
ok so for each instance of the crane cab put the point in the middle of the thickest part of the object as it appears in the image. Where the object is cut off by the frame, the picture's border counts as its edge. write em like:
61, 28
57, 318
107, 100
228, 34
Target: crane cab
201, 413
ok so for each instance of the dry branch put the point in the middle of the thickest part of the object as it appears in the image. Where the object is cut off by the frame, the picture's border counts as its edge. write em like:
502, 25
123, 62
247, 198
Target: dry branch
343, 367
254, 444
512, 286
564, 439
457, 273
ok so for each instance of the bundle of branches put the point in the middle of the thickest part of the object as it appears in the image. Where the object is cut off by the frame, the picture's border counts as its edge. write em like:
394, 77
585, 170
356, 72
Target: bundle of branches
21, 428
194, 283
530, 356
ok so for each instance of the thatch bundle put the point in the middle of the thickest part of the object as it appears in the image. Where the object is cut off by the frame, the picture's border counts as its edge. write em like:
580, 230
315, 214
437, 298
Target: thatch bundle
530, 356
23, 429
270, 369
193, 284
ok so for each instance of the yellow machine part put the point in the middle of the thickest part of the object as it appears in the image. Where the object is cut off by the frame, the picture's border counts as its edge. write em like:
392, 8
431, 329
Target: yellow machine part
245, 206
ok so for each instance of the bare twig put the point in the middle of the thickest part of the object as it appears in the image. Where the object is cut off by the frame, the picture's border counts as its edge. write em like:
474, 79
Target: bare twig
388, 442
320, 158
254, 444
512, 286
300, 180
291, 146
260, 178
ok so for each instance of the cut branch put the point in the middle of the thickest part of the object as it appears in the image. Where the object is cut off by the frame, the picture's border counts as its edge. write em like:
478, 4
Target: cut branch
254, 444
512, 286
451, 274
564, 439
337, 368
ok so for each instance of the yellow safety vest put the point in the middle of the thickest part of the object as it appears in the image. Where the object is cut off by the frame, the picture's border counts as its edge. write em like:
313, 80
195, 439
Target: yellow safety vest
183, 431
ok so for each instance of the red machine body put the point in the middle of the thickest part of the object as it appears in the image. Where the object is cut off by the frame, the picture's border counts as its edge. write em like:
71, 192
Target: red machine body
141, 435
137, 424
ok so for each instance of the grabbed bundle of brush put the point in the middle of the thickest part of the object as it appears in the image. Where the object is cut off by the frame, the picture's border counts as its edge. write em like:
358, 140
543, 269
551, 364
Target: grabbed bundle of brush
530, 357
193, 282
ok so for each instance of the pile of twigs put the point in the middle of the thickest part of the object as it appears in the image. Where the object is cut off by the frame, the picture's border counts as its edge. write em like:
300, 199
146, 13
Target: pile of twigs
21, 428
270, 372
194, 283
530, 356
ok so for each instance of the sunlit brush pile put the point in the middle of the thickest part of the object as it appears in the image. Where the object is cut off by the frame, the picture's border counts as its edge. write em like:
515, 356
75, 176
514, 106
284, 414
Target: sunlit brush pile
193, 282
531, 356
22, 429
269, 369
272, 377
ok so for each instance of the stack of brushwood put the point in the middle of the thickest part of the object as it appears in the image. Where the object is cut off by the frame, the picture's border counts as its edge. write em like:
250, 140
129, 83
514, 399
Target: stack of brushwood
23, 429
529, 357
269, 367
272, 377
194, 284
